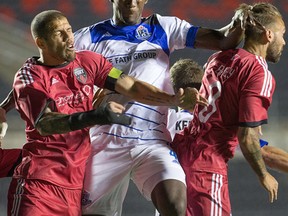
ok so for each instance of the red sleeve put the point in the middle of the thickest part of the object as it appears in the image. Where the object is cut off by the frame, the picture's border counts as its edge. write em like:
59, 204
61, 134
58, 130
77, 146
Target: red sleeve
9, 159
30, 94
256, 97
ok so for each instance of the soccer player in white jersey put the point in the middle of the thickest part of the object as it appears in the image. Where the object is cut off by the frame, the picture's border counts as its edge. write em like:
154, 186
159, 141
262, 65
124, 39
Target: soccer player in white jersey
141, 46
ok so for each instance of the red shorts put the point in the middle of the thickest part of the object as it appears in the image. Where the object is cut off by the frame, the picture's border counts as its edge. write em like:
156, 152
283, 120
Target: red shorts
37, 197
207, 194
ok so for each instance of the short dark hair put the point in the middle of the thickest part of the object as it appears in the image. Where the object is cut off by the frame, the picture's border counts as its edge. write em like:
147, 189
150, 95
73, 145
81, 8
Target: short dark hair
41, 24
186, 73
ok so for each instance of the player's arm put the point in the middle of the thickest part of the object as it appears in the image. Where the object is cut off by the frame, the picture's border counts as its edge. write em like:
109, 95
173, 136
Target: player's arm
149, 94
275, 158
6, 105
249, 143
3, 124
50, 122
226, 37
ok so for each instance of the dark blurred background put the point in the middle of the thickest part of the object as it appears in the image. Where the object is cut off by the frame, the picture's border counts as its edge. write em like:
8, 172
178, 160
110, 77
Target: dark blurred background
16, 45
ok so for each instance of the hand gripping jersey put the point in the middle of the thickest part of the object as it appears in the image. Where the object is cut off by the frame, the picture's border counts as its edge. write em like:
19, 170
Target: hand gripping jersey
141, 51
60, 158
239, 88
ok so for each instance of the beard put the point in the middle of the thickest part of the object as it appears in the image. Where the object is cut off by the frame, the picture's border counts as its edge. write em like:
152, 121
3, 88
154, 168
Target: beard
70, 55
274, 52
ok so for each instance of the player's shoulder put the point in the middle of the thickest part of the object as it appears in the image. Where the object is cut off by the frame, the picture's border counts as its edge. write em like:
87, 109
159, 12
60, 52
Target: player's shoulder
237, 56
254, 62
87, 29
29, 67
30, 74
87, 58
87, 54
163, 19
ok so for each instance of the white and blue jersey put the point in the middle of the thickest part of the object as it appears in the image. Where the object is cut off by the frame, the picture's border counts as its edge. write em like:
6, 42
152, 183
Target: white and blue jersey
178, 119
141, 51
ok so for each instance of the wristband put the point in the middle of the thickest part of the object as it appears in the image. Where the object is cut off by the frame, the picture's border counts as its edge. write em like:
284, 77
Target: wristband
100, 116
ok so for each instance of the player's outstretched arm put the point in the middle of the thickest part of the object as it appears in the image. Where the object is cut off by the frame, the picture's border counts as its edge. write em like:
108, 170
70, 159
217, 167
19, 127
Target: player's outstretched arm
3, 124
227, 37
57, 123
146, 93
6, 105
275, 158
249, 143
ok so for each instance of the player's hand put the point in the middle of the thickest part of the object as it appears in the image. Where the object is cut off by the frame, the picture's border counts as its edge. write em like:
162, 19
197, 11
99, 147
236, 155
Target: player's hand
189, 97
240, 20
99, 96
271, 185
114, 112
3, 124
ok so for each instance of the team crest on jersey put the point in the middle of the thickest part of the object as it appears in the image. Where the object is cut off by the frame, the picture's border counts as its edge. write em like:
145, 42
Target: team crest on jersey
80, 74
142, 33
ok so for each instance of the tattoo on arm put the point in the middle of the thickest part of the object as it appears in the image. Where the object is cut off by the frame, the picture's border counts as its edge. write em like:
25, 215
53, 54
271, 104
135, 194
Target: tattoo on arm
53, 123
251, 150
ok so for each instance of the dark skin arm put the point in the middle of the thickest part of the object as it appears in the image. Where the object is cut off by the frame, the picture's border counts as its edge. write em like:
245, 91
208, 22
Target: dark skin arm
227, 37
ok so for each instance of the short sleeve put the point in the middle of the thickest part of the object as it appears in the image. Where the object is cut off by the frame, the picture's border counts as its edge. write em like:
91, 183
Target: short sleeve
30, 94
256, 97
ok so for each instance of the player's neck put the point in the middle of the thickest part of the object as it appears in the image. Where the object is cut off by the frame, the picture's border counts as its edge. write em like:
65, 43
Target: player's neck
256, 49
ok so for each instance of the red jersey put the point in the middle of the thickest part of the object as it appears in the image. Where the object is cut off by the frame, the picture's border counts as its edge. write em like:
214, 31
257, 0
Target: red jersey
60, 158
239, 88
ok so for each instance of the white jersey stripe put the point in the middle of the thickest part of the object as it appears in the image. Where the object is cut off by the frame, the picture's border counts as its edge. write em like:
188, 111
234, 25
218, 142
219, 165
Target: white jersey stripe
212, 195
216, 201
267, 84
270, 85
17, 197
269, 80
219, 194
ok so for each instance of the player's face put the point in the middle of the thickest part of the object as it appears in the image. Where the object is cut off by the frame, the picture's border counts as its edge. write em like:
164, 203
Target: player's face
128, 12
60, 43
275, 48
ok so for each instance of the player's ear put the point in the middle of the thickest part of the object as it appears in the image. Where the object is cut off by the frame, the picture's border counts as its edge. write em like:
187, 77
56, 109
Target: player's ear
269, 35
40, 43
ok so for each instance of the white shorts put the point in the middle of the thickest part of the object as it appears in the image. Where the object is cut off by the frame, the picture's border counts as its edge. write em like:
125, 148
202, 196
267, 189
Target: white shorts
108, 174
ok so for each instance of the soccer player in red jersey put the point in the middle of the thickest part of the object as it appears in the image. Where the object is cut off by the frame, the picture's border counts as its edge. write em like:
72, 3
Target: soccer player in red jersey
239, 88
53, 94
